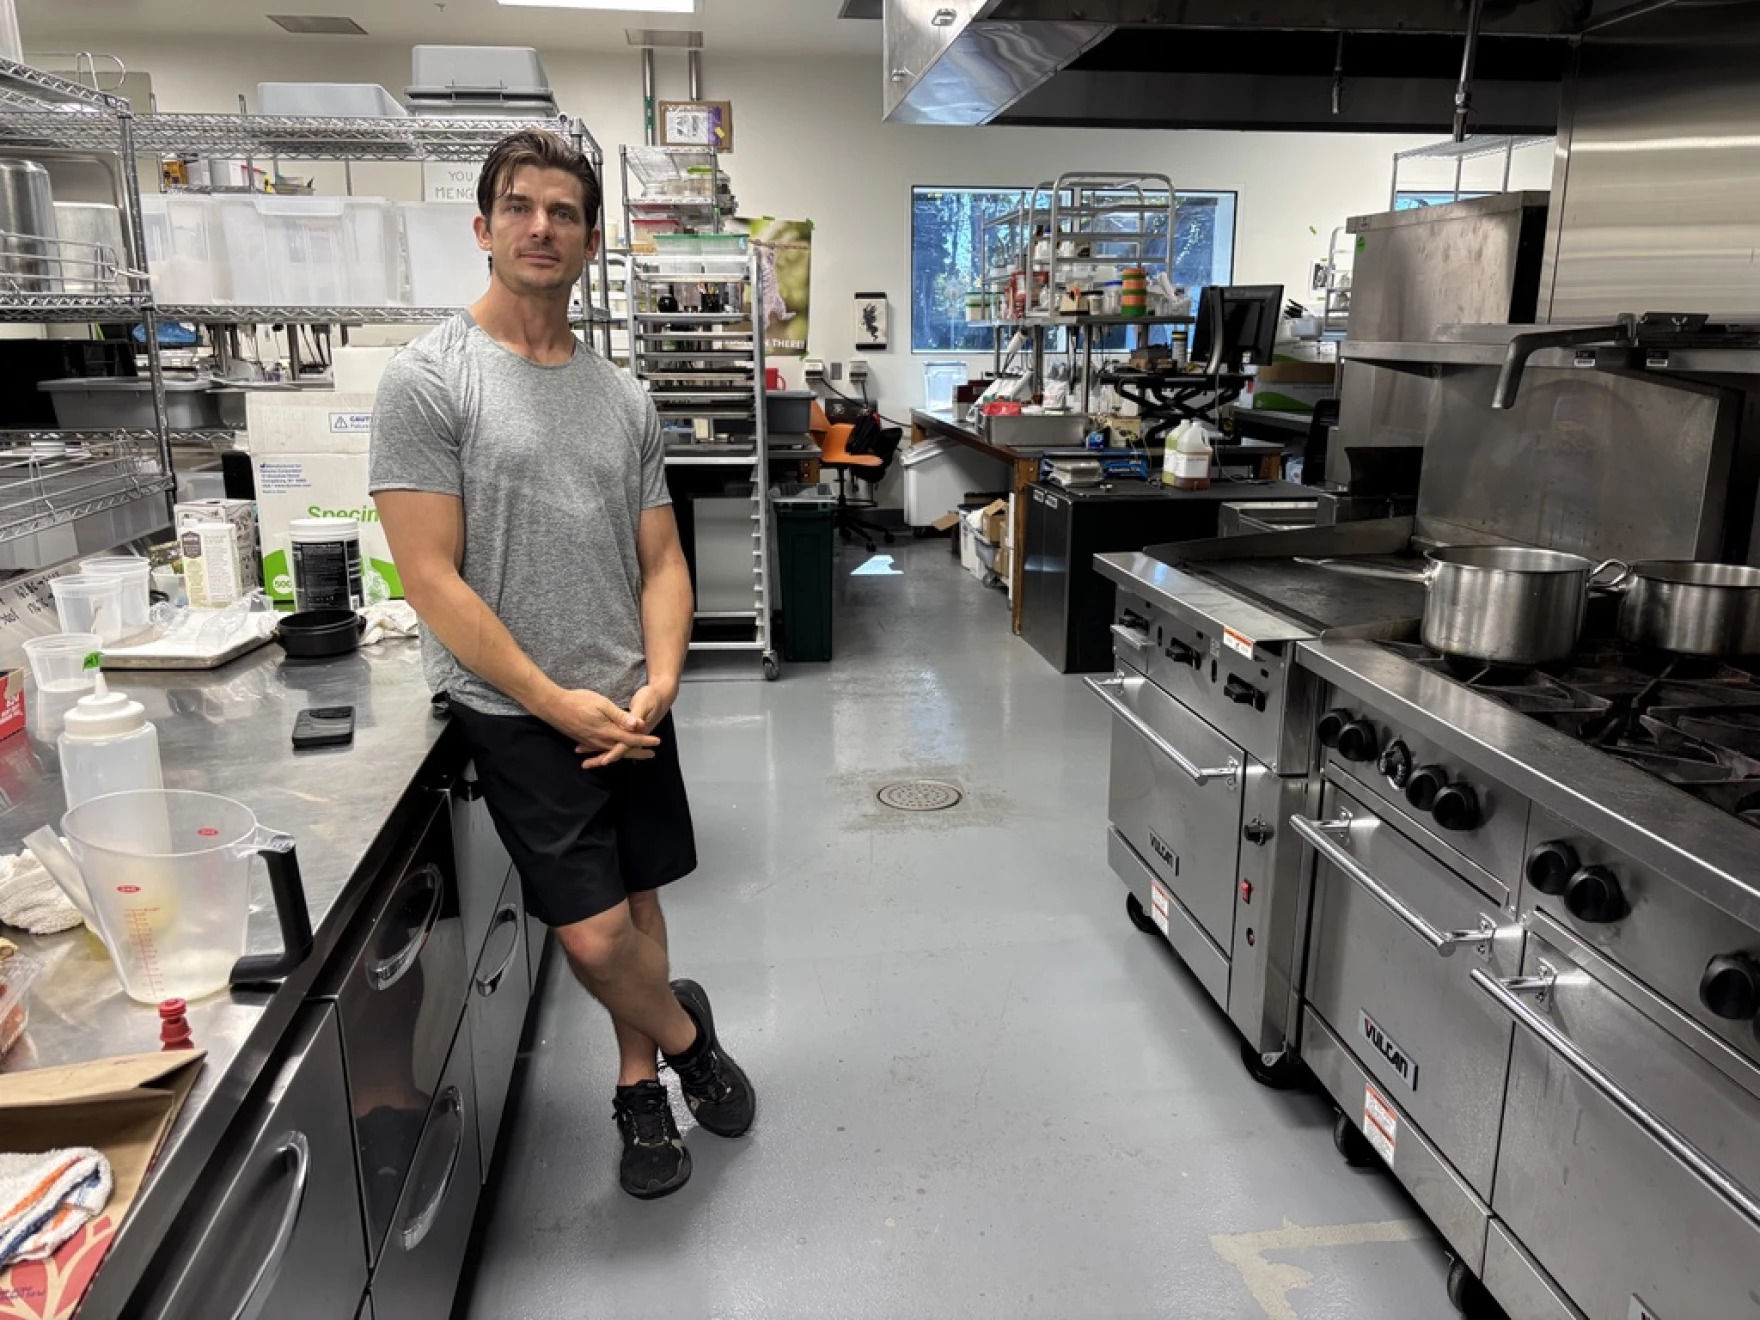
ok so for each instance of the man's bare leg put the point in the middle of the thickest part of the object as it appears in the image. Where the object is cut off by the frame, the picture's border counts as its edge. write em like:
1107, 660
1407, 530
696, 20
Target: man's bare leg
638, 1055
625, 969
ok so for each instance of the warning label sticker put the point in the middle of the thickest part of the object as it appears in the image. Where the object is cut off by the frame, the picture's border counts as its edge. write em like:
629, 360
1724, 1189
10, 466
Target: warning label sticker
1158, 906
1380, 1125
1239, 643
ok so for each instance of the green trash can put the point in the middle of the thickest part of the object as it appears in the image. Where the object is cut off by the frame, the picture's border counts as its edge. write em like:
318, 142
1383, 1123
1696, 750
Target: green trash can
804, 549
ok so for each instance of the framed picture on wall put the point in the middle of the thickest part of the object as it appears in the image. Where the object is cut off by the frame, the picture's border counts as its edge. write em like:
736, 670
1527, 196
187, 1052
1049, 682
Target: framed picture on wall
871, 321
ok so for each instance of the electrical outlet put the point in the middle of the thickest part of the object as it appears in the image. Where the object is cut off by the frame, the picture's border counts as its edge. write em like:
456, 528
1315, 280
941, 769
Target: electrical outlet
858, 369
837, 371
813, 368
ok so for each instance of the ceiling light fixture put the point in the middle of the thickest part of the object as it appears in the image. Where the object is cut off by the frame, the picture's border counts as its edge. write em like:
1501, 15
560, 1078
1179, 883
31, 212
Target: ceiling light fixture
627, 6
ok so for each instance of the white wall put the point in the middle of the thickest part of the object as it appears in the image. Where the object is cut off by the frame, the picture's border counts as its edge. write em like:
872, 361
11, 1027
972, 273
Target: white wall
810, 144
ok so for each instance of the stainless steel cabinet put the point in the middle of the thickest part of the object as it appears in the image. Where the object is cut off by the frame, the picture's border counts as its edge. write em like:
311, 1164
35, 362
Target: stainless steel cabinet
400, 1002
482, 859
282, 1240
425, 1248
1585, 1178
500, 992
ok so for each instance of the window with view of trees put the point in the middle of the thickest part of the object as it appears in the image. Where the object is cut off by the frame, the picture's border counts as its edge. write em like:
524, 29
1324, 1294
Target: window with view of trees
948, 260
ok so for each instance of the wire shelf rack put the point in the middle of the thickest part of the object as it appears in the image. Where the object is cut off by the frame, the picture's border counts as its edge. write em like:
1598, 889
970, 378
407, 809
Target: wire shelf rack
47, 485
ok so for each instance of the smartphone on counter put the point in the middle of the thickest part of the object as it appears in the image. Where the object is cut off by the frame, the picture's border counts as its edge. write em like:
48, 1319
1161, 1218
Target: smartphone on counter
324, 726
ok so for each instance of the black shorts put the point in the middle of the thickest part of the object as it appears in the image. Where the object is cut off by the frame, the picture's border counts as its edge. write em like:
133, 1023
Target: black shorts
582, 840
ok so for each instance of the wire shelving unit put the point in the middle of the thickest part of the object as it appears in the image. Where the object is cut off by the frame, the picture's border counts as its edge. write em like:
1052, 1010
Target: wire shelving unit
707, 366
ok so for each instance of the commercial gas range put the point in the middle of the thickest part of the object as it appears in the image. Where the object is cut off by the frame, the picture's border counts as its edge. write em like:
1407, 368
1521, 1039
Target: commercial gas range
1534, 965
1509, 921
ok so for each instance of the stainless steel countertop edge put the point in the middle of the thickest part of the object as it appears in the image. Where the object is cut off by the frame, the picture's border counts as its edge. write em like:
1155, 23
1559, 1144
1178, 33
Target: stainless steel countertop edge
1694, 845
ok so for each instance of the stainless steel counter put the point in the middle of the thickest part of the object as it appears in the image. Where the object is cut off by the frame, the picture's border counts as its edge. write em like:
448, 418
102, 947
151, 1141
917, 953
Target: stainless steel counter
228, 732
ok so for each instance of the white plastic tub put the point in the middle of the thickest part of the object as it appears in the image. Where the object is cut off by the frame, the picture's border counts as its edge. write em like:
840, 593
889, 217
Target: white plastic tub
443, 266
940, 474
237, 225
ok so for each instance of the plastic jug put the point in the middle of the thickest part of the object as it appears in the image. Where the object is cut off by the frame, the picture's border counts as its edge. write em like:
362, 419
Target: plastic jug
164, 878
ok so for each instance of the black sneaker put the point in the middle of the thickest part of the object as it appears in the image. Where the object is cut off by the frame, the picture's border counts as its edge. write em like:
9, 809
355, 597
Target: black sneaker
715, 1087
655, 1160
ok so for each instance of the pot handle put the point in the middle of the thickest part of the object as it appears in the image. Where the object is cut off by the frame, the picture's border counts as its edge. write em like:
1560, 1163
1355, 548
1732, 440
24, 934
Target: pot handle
291, 913
1350, 568
1620, 581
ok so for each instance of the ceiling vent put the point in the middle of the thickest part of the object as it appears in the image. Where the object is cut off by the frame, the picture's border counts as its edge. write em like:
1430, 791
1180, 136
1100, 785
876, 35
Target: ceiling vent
681, 39
323, 25
860, 9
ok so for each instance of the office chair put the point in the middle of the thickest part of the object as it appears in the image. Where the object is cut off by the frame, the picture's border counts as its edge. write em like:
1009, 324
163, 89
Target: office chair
862, 451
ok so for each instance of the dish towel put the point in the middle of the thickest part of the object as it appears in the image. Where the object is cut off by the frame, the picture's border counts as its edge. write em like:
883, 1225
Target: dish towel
388, 619
32, 901
46, 1198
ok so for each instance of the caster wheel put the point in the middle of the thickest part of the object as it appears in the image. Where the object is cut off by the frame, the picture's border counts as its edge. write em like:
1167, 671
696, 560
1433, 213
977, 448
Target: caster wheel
1351, 1143
1280, 1072
870, 546
888, 536
772, 669
919, 533
1469, 1296
1139, 918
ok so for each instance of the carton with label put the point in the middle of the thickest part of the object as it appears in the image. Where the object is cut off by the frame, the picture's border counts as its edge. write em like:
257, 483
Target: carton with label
309, 455
212, 574
241, 517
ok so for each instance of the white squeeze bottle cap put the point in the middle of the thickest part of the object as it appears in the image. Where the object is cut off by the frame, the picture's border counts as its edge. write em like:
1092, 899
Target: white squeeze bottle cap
104, 714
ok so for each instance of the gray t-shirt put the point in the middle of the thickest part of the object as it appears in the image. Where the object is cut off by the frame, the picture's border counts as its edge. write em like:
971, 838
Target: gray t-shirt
555, 466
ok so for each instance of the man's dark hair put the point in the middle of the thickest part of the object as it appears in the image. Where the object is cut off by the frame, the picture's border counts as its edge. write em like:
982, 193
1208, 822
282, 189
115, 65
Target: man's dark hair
546, 151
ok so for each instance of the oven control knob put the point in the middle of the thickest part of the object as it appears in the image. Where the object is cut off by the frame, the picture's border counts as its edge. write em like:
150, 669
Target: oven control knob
1551, 866
1358, 741
1423, 784
1730, 987
1396, 763
1456, 807
1594, 895
1332, 724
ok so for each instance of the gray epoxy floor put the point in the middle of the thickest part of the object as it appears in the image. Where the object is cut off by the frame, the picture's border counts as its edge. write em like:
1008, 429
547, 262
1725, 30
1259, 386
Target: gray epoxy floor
982, 1092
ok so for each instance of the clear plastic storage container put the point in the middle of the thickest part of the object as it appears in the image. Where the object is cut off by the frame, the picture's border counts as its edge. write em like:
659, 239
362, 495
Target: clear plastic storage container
330, 251
185, 262
443, 266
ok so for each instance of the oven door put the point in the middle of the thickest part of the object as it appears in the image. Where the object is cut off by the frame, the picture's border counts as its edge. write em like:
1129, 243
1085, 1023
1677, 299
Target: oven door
1175, 797
1629, 1169
1394, 936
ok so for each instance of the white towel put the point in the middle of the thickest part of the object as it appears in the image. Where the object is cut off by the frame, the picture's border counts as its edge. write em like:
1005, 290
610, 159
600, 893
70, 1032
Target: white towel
31, 900
46, 1198
388, 619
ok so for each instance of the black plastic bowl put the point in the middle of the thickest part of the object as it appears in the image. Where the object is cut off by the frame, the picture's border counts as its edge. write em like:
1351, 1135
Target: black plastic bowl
318, 634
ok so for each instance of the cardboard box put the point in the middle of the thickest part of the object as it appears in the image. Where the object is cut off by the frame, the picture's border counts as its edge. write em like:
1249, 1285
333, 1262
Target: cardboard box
212, 574
123, 1107
309, 455
241, 517
11, 703
1292, 386
994, 521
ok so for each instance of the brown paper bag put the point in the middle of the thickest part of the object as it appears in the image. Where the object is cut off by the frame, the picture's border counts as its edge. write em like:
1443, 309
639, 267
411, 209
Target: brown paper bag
122, 1106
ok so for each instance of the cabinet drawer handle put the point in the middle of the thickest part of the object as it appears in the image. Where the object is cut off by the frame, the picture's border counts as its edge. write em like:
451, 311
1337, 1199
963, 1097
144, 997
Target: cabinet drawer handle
1134, 638
1507, 994
387, 972
297, 1150
507, 916
419, 1225
1107, 689
1318, 834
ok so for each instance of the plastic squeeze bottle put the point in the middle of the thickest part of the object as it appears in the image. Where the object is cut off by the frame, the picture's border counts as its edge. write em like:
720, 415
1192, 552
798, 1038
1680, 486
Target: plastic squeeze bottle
107, 745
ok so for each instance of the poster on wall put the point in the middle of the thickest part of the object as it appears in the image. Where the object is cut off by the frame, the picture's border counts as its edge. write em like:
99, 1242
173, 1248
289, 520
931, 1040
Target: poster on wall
697, 124
871, 321
785, 251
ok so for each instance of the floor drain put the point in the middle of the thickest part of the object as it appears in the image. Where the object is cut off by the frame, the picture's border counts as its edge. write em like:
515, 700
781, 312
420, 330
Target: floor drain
919, 795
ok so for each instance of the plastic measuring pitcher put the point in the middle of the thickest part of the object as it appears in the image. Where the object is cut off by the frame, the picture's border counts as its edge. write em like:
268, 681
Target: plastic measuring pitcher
166, 878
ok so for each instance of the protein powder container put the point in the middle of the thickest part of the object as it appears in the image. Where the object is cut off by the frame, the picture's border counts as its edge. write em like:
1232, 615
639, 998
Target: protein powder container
326, 562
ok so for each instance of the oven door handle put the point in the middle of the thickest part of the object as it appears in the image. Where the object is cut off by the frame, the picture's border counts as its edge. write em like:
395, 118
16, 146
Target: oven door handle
1506, 994
1107, 689
1318, 835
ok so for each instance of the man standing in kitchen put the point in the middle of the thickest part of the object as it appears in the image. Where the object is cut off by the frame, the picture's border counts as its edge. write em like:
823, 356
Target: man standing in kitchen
521, 481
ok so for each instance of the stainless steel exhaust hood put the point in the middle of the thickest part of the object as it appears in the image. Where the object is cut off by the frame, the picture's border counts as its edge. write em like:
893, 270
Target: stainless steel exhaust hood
1212, 63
